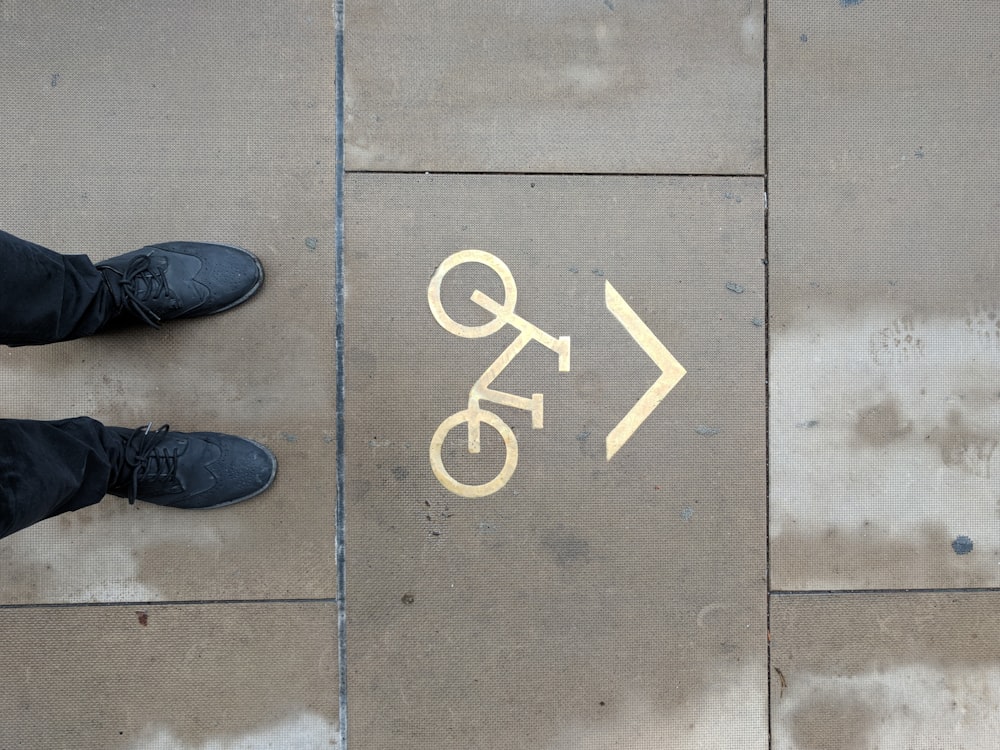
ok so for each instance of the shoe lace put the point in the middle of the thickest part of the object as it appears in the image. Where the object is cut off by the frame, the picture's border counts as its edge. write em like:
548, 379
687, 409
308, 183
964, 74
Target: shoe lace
147, 460
140, 282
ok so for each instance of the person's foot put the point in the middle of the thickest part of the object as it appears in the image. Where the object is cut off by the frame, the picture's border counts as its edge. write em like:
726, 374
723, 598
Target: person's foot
180, 280
190, 470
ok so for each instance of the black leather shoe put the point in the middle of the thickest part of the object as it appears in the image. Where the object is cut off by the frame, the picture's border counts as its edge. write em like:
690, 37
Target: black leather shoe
181, 280
190, 470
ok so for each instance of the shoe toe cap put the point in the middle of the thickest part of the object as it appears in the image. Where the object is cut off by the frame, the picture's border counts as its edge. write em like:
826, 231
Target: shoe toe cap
229, 275
244, 469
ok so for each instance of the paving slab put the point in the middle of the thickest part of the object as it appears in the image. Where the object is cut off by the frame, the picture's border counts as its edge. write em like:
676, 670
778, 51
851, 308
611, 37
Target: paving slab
144, 123
618, 86
170, 677
568, 599
916, 671
885, 335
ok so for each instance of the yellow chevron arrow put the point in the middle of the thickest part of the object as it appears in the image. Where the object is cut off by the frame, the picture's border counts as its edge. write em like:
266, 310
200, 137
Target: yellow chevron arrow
672, 370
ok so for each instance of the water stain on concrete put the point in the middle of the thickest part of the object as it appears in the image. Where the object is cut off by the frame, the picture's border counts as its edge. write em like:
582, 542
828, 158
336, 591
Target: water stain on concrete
96, 554
567, 547
638, 722
872, 558
901, 444
831, 722
148, 685
896, 703
878, 670
297, 732
882, 424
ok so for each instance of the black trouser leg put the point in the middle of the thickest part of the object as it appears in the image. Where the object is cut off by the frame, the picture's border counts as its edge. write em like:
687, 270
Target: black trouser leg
46, 297
48, 468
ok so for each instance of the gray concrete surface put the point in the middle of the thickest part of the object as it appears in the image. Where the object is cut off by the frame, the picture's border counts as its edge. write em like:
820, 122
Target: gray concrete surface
130, 123
899, 670
586, 592
144, 124
170, 676
561, 86
885, 343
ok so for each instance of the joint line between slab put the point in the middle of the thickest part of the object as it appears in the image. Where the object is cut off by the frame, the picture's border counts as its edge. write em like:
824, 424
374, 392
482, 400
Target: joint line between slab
767, 393
163, 603
338, 11
879, 592
463, 173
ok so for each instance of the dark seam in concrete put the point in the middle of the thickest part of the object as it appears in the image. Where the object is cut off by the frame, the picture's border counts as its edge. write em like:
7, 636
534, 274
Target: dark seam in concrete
163, 603
338, 10
767, 398
879, 592
473, 173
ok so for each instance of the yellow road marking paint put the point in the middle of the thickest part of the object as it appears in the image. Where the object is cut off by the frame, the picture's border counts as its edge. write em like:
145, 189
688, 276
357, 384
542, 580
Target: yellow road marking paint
474, 415
672, 370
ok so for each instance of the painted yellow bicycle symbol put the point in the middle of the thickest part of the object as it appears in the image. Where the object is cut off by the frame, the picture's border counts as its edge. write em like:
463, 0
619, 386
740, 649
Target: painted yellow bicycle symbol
474, 415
